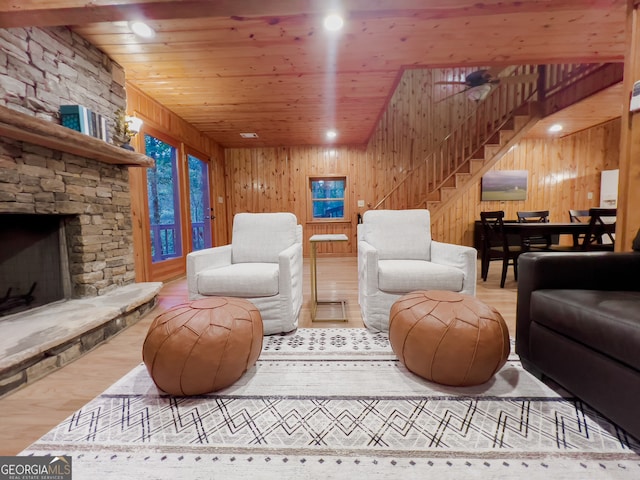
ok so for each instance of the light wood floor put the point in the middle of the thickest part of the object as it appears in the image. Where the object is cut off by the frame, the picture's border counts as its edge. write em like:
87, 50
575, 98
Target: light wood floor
29, 413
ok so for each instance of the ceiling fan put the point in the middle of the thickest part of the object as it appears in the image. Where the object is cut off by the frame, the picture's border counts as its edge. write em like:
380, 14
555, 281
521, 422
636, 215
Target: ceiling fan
480, 82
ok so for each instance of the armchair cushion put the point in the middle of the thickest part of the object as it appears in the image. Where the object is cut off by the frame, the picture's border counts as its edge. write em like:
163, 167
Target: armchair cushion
277, 232
240, 280
402, 276
399, 234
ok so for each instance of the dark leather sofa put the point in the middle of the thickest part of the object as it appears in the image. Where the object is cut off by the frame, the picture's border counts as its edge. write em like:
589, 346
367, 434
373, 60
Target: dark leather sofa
578, 323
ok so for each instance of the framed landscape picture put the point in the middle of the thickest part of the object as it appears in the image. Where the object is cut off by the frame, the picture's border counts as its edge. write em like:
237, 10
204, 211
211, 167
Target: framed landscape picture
504, 185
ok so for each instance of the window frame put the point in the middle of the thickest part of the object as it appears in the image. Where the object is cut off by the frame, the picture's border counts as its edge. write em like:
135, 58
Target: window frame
345, 198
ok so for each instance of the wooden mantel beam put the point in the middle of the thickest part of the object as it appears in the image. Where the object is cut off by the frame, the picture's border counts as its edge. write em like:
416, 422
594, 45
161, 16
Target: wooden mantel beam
43, 13
28, 128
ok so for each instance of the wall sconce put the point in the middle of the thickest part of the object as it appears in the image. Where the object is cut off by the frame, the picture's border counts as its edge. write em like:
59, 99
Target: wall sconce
134, 124
126, 127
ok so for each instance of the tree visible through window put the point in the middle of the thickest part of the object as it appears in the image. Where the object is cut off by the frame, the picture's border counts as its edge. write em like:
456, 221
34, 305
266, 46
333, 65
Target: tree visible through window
328, 197
200, 204
164, 206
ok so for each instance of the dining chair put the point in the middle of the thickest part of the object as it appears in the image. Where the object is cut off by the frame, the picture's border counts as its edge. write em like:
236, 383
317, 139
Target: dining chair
496, 246
579, 216
535, 216
602, 229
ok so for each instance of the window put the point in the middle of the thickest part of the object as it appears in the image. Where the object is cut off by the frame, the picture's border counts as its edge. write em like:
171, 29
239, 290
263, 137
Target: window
328, 196
163, 200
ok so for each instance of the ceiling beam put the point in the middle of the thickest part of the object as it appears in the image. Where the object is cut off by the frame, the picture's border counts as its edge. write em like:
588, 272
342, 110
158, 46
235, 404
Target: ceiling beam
42, 13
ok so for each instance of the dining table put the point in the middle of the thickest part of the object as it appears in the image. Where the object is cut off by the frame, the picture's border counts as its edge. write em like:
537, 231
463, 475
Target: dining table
527, 230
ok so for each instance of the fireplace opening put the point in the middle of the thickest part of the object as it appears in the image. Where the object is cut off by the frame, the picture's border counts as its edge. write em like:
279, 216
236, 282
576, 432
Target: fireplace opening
33, 264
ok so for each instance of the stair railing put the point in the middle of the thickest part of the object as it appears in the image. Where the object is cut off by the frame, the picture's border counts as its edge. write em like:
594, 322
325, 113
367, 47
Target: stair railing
455, 150
483, 123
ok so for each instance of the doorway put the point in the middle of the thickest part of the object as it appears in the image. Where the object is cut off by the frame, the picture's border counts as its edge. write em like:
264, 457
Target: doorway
178, 205
199, 201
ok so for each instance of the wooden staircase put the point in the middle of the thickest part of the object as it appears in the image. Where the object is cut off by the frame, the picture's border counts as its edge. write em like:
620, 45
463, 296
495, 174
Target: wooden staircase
507, 136
473, 146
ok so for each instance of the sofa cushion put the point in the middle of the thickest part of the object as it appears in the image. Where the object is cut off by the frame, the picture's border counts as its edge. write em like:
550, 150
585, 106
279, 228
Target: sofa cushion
260, 237
398, 234
240, 280
404, 276
606, 321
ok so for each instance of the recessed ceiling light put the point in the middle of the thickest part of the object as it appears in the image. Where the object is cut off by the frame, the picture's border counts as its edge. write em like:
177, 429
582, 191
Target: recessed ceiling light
142, 29
249, 135
555, 128
331, 134
333, 22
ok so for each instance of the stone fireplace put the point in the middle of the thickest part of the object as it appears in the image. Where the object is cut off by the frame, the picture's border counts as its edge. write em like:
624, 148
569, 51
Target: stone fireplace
83, 202
88, 200
65, 207
65, 233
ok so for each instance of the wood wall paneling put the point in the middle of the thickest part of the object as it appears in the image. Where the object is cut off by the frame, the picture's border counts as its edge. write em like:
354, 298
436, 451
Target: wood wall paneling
277, 179
629, 190
562, 171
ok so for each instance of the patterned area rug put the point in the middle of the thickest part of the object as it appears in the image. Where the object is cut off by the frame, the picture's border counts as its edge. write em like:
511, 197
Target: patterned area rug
336, 403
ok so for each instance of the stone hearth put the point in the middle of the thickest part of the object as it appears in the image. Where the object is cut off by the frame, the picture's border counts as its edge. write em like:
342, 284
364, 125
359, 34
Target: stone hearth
36, 342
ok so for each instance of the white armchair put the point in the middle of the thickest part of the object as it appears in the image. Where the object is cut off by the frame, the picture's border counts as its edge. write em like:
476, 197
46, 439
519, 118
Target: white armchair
263, 264
396, 255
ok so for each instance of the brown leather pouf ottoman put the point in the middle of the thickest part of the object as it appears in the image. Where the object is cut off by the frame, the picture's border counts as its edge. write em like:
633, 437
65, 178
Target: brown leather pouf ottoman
448, 337
203, 346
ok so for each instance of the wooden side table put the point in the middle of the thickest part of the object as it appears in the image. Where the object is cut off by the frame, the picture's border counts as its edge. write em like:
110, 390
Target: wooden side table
315, 239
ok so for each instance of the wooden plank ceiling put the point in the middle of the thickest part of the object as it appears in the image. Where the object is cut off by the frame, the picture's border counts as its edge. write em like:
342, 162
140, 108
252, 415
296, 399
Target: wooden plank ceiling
269, 67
